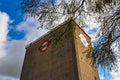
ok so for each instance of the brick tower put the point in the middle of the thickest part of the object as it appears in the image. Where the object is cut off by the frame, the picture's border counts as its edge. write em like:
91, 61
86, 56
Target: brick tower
60, 55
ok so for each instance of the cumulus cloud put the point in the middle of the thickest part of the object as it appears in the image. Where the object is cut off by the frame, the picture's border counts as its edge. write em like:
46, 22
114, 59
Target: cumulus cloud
11, 63
91, 27
101, 77
30, 27
91, 22
116, 74
4, 20
2, 77
11, 53
4, 56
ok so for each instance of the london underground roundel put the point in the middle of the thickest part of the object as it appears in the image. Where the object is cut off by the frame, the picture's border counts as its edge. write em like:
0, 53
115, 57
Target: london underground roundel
44, 46
83, 40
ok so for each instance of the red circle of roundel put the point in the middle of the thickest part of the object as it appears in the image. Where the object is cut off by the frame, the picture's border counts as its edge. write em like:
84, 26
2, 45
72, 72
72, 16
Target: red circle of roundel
44, 46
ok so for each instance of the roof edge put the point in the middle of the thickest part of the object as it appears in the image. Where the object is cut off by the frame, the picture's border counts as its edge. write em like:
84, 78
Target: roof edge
65, 22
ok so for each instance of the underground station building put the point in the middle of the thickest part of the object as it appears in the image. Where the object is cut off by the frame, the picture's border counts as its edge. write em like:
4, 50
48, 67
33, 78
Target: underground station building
60, 54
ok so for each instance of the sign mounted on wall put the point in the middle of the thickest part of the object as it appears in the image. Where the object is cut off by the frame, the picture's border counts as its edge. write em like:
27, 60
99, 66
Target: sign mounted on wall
83, 40
44, 46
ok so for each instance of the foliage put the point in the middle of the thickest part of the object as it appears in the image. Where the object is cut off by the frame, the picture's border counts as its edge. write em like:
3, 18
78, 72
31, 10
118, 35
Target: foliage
108, 35
106, 12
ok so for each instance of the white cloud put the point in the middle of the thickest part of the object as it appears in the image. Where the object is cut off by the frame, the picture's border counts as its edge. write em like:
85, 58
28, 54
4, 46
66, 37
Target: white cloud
91, 22
30, 27
2, 77
7, 56
91, 26
4, 19
58, 2
11, 63
116, 48
101, 77
116, 74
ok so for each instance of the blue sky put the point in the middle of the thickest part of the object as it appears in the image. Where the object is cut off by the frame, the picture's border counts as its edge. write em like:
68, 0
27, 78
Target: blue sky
16, 33
14, 11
